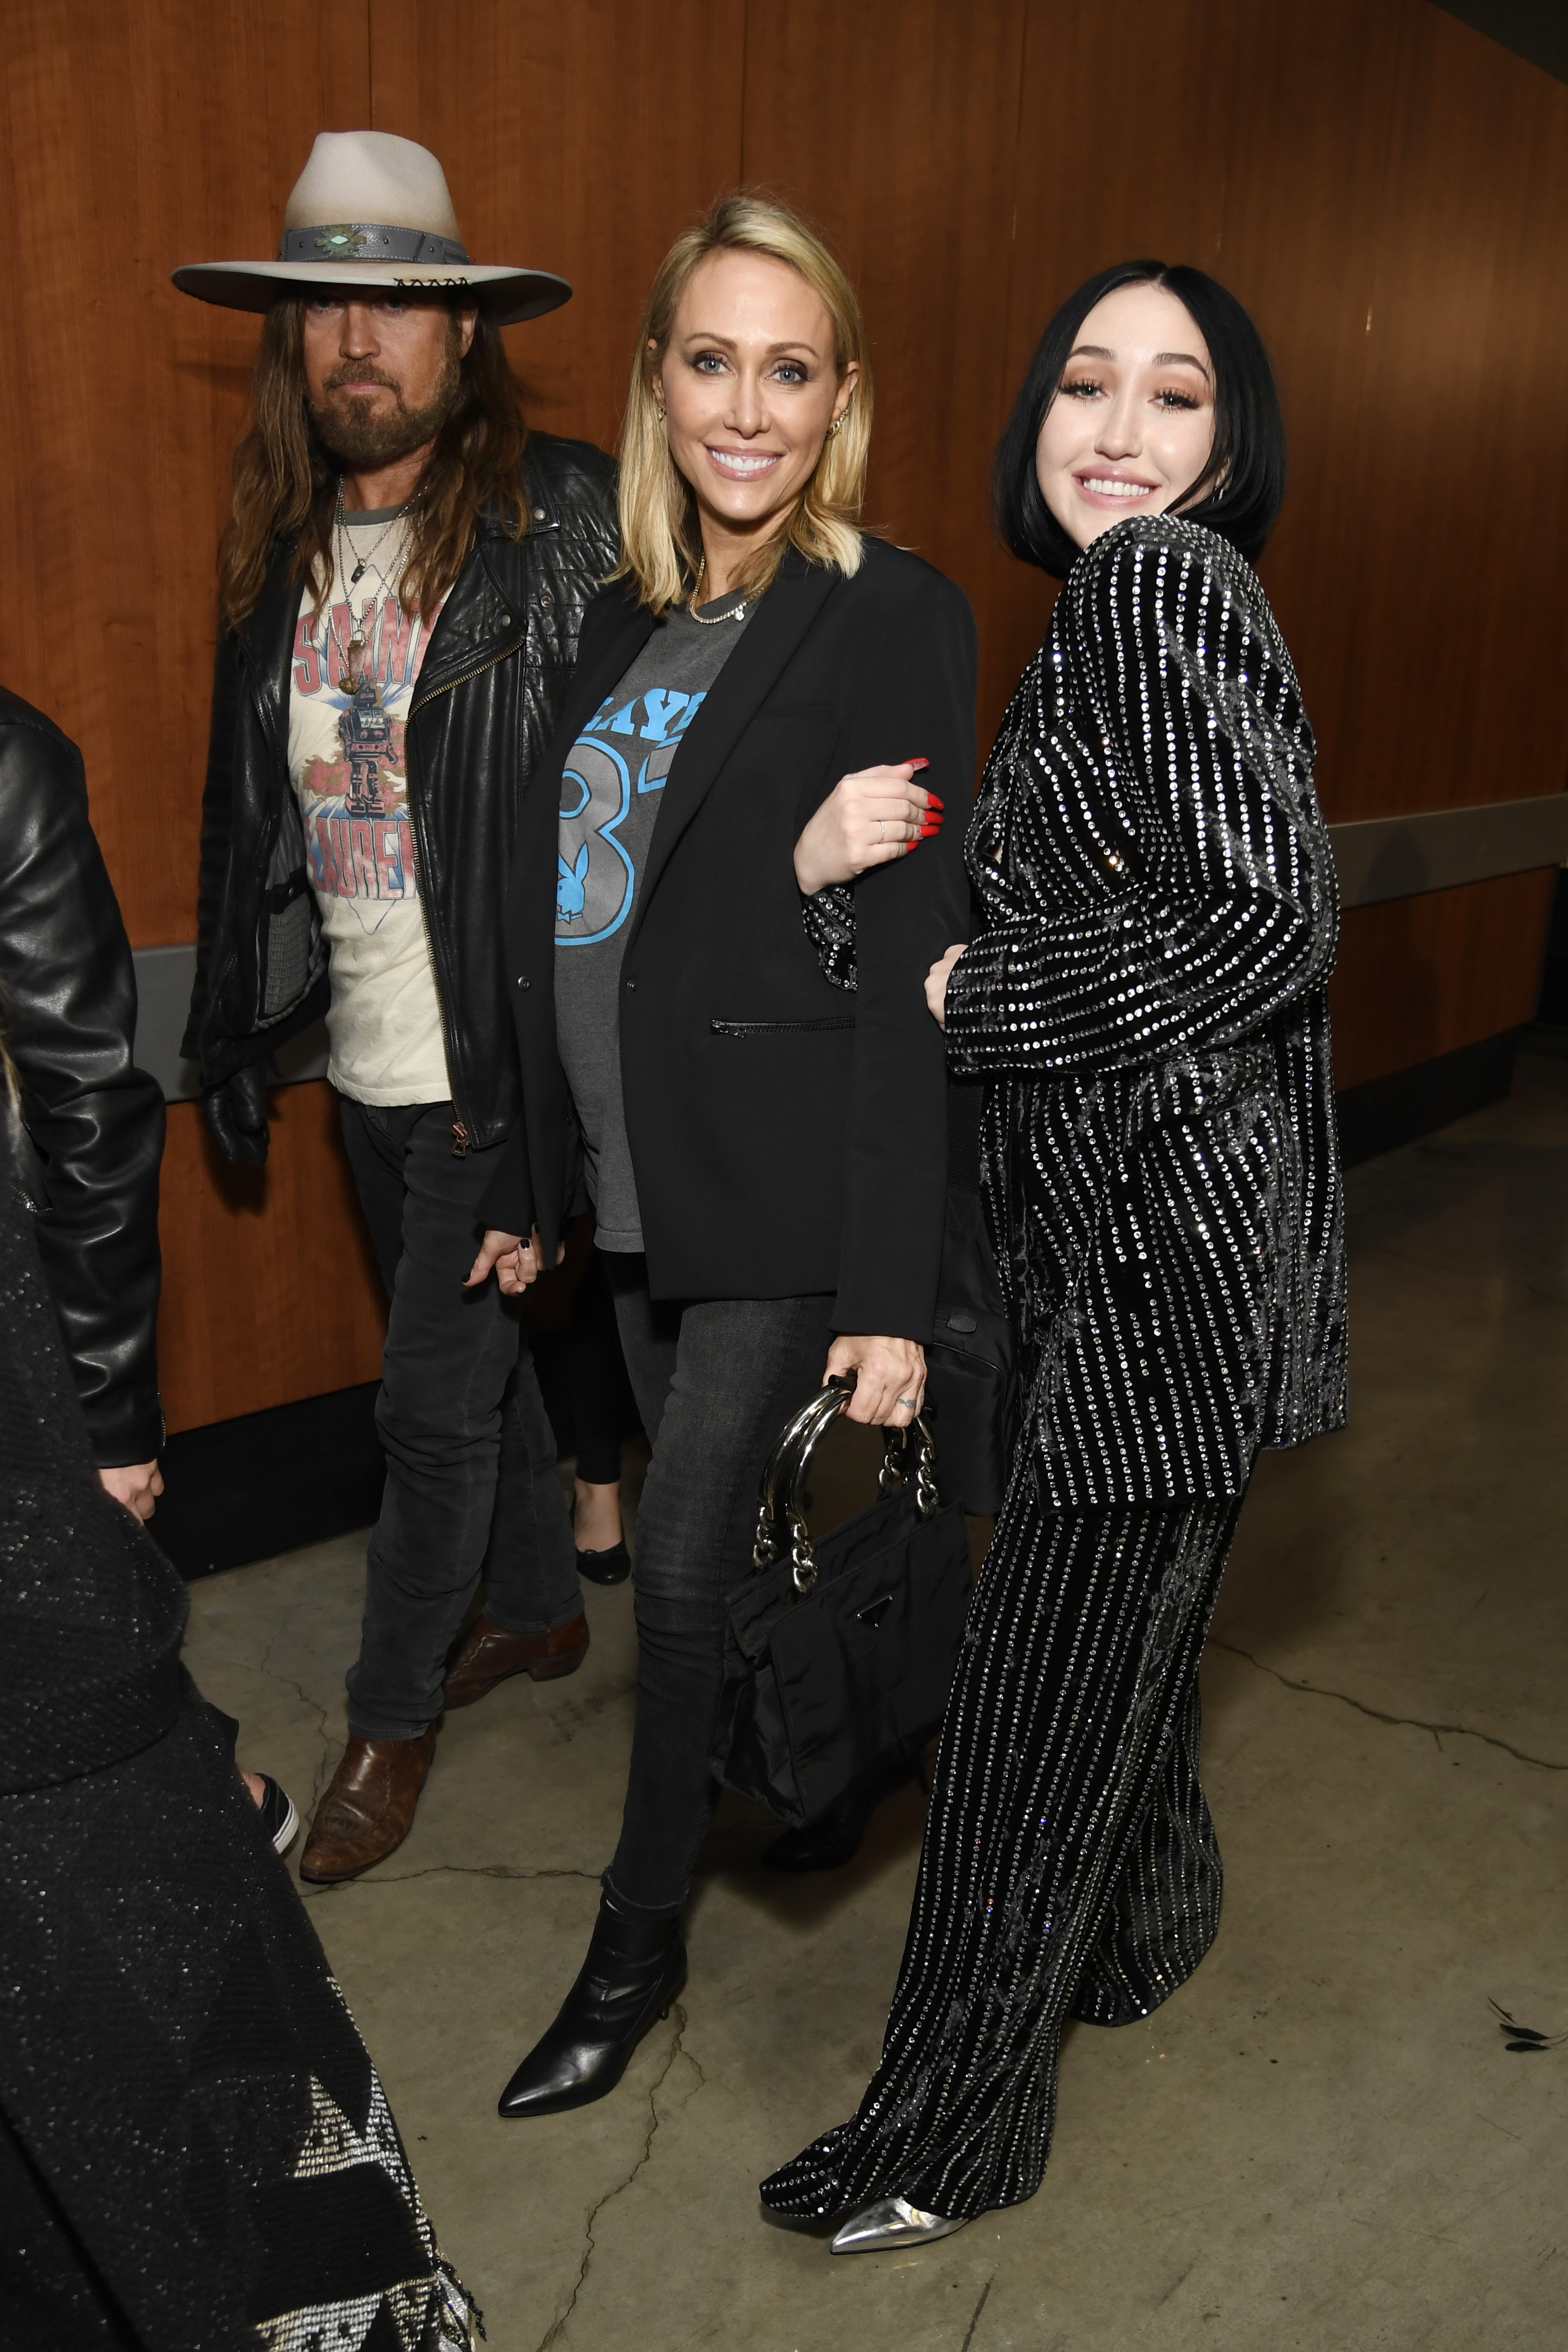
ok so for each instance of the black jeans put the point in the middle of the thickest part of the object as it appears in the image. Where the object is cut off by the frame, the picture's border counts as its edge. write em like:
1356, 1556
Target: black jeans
602, 1406
714, 1382
471, 1488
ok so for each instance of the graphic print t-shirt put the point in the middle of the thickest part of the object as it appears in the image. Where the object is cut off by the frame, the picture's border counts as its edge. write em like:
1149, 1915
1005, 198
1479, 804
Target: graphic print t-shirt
610, 797
346, 761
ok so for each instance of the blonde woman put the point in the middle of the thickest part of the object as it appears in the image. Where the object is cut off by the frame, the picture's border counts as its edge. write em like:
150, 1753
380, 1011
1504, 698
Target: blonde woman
756, 694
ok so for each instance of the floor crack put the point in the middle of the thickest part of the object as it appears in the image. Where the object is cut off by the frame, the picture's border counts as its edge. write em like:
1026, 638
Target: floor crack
557, 2326
319, 1711
1409, 1722
975, 2315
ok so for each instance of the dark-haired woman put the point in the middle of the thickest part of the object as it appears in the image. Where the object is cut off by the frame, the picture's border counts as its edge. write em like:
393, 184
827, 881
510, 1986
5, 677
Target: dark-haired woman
1145, 997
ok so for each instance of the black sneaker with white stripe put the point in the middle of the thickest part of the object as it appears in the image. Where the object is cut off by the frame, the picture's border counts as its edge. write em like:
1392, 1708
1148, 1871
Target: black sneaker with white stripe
279, 1818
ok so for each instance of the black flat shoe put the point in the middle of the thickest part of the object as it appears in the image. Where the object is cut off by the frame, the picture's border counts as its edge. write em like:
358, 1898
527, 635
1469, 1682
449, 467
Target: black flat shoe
612, 1567
634, 1969
279, 1818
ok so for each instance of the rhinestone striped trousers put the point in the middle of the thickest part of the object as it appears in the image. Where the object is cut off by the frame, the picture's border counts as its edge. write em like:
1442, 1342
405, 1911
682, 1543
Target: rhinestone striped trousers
1069, 1865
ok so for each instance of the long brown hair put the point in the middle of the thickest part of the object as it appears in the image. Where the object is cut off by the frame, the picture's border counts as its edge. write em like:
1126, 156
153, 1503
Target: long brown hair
286, 483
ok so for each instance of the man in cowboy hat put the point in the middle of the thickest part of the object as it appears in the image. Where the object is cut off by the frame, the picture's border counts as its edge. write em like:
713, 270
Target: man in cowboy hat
403, 576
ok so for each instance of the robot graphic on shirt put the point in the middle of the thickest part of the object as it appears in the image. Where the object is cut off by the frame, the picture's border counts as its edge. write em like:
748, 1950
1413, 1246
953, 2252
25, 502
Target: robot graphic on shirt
365, 732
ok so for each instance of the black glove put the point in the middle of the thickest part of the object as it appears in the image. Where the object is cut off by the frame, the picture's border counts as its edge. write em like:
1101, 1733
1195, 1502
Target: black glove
236, 1114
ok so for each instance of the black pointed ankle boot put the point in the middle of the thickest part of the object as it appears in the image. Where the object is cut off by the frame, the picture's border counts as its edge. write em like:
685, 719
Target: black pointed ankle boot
634, 1969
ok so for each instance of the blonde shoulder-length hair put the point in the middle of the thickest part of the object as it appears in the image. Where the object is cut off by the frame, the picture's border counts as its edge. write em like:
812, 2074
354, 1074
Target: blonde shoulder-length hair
661, 545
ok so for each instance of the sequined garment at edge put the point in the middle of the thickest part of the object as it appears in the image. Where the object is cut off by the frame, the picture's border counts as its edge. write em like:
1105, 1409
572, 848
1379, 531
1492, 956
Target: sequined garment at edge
1158, 916
196, 2151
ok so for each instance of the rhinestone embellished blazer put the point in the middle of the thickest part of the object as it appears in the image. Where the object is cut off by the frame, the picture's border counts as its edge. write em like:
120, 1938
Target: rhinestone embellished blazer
1156, 921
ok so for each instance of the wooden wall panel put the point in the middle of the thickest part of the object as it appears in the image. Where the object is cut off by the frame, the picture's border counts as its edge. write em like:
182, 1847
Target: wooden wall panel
1125, 106
580, 139
1307, 174
1461, 563
1387, 190
138, 134
270, 1290
905, 153
1418, 977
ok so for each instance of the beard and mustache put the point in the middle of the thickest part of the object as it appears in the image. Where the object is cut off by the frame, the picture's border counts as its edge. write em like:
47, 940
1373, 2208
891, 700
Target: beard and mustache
358, 435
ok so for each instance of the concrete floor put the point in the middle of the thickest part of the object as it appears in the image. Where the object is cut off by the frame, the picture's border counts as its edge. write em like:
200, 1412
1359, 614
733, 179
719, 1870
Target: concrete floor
1320, 2143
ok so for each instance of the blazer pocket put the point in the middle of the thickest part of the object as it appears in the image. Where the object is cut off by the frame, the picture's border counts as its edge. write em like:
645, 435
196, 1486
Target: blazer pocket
780, 1028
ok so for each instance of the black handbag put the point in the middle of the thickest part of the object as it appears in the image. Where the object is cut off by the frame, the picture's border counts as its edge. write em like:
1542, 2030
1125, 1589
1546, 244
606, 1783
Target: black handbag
839, 1654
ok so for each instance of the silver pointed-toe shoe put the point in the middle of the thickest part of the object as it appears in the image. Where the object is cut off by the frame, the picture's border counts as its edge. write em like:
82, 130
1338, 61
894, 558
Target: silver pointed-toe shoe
892, 2221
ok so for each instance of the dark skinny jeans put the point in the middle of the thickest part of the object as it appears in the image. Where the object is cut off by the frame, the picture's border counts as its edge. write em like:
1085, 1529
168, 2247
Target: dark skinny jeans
471, 1489
715, 1382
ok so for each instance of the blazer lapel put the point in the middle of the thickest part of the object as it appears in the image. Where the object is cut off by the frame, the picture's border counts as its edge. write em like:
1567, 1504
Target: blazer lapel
767, 645
623, 639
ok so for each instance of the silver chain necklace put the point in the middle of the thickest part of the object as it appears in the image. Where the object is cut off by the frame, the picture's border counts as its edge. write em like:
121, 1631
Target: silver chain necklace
712, 620
353, 652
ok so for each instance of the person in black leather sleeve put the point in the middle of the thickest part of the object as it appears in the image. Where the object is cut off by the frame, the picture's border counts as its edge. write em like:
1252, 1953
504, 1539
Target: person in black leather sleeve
92, 1123
403, 577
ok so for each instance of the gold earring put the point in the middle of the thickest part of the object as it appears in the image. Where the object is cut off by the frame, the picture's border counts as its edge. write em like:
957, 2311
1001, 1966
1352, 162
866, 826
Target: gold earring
838, 421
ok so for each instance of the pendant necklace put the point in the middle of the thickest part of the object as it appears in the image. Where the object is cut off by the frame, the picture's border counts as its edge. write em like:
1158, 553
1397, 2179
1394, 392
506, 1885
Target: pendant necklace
353, 652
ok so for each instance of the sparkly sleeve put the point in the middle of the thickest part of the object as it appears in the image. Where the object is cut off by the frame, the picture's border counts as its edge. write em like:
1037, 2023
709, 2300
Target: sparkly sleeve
1206, 899
829, 919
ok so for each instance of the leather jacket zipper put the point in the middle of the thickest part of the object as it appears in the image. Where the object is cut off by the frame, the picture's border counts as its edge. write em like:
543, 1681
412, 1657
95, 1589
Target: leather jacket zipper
477, 671
460, 1137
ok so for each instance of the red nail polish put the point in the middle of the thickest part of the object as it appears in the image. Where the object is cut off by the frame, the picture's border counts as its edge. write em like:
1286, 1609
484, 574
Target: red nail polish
917, 763
934, 800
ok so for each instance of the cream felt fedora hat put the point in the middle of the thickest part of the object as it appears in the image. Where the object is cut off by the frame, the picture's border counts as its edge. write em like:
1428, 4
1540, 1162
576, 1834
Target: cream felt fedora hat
370, 210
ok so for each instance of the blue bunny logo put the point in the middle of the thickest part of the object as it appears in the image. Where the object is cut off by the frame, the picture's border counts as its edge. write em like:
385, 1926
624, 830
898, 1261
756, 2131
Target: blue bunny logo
570, 885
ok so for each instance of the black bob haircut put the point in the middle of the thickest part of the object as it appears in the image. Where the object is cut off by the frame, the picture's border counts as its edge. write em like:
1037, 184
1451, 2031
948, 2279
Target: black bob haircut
1242, 485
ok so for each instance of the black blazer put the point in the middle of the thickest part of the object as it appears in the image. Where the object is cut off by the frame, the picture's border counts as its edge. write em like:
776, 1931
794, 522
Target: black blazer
1147, 994
787, 1137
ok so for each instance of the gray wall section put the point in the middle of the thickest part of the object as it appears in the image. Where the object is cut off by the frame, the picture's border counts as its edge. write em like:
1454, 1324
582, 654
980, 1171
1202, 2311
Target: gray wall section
165, 978
1402, 856
1384, 858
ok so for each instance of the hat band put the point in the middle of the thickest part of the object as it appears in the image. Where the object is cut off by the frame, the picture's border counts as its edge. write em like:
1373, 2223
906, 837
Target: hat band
366, 241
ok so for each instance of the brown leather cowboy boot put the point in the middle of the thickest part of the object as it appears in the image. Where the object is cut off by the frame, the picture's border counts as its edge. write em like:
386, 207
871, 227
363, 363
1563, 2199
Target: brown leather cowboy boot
486, 1656
368, 1809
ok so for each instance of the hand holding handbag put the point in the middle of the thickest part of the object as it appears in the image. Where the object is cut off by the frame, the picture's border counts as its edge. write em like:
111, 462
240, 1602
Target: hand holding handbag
839, 1654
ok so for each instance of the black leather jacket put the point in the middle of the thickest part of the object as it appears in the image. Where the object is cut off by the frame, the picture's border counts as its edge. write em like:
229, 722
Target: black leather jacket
92, 1124
498, 658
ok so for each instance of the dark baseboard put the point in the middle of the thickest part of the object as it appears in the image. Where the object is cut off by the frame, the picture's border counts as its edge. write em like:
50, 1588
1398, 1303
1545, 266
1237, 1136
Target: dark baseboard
1386, 1112
267, 1482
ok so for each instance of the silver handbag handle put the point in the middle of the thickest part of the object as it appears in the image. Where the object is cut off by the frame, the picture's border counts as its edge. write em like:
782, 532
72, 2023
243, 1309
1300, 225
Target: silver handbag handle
781, 1521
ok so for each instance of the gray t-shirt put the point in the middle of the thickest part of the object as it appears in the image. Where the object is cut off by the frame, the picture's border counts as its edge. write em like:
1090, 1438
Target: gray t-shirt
609, 805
